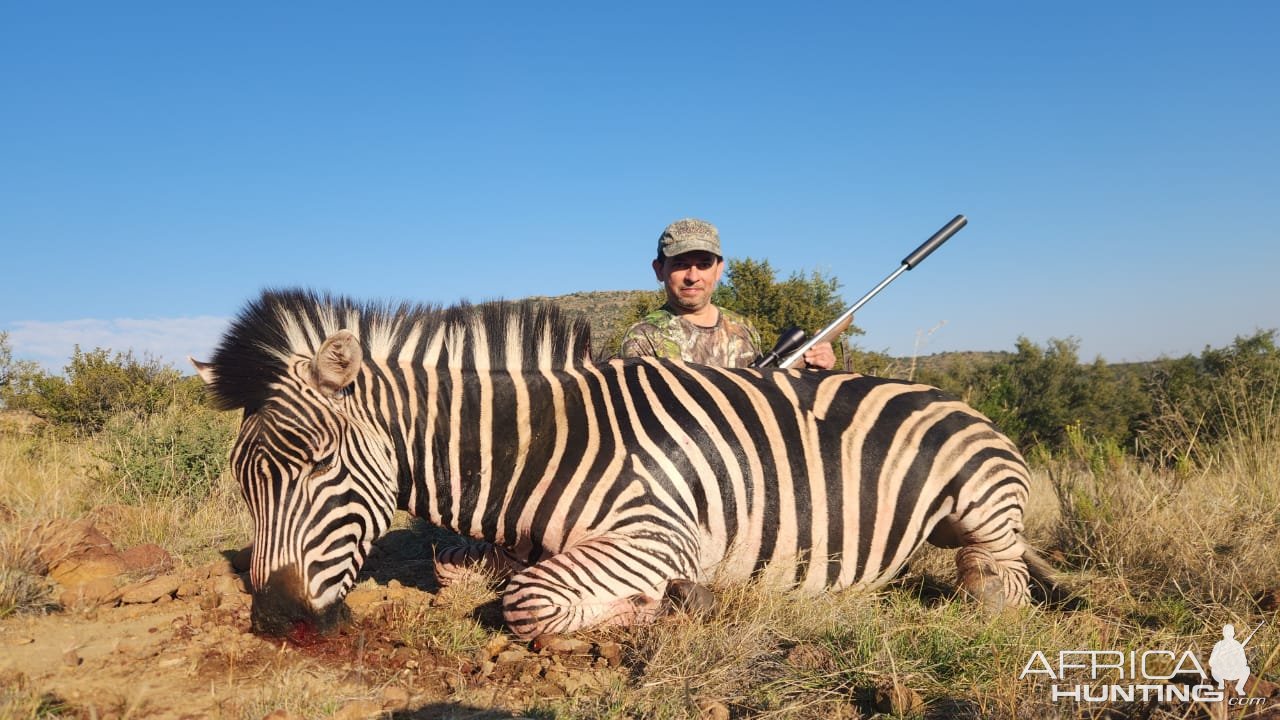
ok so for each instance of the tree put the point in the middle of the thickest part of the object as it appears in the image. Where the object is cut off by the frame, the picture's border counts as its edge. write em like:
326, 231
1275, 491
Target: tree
811, 303
17, 377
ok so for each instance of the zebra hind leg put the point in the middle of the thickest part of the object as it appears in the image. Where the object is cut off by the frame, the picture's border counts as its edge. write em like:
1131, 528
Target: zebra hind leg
991, 561
602, 581
995, 582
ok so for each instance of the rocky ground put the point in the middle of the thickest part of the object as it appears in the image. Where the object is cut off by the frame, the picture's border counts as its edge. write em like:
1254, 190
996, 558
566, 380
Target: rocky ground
135, 636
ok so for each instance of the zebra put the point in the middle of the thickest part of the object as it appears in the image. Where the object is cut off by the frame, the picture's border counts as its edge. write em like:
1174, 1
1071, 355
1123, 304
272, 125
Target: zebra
597, 486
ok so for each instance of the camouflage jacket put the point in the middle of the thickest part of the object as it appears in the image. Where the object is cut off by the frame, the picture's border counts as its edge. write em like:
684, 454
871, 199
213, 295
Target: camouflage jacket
732, 342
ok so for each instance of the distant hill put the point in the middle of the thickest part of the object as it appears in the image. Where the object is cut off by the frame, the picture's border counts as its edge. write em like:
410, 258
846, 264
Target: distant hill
603, 309
943, 361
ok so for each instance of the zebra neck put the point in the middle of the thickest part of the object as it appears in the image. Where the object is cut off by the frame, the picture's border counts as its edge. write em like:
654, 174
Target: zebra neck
471, 444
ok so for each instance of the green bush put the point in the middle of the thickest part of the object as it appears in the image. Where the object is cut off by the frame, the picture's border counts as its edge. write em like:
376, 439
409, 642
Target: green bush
177, 453
1200, 403
1170, 411
96, 386
1046, 399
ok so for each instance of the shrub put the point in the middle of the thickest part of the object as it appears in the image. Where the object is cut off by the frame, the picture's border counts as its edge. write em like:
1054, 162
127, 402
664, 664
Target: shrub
96, 386
177, 453
1231, 393
1045, 399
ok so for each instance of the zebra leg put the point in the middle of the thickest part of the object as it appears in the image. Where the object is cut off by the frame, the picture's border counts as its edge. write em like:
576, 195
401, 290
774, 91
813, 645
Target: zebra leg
690, 596
990, 562
476, 558
608, 580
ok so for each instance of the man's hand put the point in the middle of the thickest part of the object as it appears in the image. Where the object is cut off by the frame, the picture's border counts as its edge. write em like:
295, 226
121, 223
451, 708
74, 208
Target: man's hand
820, 357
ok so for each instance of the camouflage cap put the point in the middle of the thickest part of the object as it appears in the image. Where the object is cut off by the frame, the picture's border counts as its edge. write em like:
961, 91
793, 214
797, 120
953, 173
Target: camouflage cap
689, 235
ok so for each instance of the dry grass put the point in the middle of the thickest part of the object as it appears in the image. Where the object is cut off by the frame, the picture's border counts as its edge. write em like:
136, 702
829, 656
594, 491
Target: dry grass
44, 478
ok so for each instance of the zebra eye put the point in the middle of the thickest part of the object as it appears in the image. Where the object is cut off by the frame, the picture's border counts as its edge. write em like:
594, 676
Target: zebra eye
321, 466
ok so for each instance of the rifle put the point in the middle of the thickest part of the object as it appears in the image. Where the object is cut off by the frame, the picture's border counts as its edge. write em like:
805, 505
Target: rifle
791, 342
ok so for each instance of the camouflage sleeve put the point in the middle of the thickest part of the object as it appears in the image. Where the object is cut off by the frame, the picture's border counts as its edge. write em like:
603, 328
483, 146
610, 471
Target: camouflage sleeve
644, 340
637, 343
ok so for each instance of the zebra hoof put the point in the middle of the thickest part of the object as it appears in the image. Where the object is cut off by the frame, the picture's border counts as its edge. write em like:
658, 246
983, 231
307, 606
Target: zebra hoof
980, 577
689, 596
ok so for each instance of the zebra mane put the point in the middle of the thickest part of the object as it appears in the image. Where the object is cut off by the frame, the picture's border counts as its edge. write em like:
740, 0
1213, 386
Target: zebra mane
255, 350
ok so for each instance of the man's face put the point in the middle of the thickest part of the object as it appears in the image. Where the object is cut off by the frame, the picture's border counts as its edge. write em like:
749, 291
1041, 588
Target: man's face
689, 278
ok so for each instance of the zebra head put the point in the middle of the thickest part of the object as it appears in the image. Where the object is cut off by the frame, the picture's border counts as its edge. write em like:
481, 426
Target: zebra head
317, 476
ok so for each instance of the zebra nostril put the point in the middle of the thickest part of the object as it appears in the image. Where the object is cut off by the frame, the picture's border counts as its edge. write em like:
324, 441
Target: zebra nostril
280, 605
281, 608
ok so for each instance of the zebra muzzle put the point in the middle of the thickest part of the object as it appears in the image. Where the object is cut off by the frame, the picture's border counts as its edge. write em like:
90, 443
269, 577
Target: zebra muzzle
281, 608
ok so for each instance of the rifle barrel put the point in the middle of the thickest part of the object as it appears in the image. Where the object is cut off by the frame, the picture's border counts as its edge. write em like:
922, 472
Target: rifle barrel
915, 258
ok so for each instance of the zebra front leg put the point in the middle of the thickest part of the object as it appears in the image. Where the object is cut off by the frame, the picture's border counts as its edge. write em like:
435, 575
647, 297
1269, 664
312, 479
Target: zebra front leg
608, 580
475, 558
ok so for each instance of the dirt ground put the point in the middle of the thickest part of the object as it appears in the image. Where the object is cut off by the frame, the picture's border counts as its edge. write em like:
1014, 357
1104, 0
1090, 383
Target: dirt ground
176, 644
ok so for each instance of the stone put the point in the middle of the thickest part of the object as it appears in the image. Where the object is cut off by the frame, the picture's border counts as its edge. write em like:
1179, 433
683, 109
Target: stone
807, 656
86, 566
511, 656
611, 652
576, 682
561, 645
363, 597
217, 568
59, 540
235, 601
147, 558
713, 710
229, 585
150, 591
897, 699
495, 645
95, 592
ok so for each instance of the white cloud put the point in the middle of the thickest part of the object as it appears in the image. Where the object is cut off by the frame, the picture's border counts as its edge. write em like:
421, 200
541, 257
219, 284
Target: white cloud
170, 340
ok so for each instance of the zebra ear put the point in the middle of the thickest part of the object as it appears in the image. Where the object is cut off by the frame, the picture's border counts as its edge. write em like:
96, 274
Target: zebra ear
337, 363
204, 370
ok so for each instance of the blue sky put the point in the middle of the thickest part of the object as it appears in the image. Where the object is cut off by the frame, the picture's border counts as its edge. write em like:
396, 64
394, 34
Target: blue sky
1119, 163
